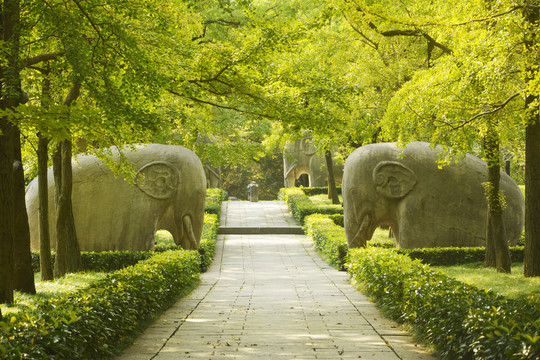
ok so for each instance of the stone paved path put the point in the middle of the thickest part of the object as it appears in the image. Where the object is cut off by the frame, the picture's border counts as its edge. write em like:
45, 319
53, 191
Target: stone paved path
271, 297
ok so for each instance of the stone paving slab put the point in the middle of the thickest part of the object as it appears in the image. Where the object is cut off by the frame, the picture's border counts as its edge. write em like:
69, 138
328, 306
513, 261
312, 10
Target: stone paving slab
272, 297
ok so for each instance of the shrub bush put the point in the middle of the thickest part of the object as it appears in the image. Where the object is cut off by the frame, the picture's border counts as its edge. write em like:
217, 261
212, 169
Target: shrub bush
463, 322
329, 239
91, 324
337, 219
214, 198
108, 261
311, 191
301, 206
456, 256
105, 261
207, 246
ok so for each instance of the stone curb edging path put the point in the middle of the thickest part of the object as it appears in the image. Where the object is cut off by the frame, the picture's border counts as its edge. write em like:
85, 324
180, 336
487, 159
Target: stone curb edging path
269, 296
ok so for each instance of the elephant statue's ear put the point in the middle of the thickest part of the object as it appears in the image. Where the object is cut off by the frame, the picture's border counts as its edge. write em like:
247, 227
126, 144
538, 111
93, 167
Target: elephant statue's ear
158, 179
393, 179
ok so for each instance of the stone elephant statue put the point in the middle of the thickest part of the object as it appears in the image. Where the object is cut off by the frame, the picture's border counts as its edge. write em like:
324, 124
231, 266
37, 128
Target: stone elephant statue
301, 158
426, 206
114, 214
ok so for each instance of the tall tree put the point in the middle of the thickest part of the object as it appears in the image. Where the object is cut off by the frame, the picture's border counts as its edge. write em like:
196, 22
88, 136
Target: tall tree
14, 271
531, 14
68, 256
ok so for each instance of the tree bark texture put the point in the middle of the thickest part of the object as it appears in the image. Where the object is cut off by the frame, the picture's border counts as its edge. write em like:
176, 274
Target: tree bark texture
6, 213
332, 190
9, 78
74, 262
45, 259
60, 263
68, 255
23, 271
531, 258
495, 233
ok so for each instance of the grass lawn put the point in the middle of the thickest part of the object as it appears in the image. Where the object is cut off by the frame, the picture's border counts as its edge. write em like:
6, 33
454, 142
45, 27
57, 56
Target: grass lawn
323, 199
514, 285
71, 282
164, 237
49, 289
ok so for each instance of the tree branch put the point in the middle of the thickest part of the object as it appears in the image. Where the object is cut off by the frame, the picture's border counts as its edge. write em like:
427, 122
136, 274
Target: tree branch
495, 109
87, 16
28, 62
370, 42
219, 106
73, 94
484, 113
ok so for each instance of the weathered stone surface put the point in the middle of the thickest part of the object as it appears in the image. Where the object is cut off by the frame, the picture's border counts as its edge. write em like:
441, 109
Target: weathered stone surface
114, 214
425, 205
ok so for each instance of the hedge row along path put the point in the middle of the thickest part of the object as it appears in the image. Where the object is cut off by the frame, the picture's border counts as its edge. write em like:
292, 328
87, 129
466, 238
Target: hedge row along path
269, 296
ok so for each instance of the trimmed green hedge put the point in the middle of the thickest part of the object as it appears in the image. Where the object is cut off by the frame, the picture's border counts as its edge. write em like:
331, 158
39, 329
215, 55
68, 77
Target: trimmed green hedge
463, 322
92, 323
214, 198
108, 261
105, 261
456, 256
329, 239
337, 219
310, 191
207, 246
301, 206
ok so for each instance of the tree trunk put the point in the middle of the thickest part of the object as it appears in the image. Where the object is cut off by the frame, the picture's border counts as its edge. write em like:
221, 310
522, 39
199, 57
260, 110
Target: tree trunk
491, 258
60, 263
495, 233
45, 259
531, 260
23, 275
9, 78
68, 255
74, 262
331, 179
23, 272
6, 212
531, 263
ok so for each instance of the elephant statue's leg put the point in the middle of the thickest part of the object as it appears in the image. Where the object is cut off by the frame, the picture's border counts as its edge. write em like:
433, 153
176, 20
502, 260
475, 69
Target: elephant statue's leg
290, 179
188, 233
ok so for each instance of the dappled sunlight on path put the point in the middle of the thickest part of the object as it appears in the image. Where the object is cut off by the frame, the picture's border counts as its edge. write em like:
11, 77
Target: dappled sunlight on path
268, 297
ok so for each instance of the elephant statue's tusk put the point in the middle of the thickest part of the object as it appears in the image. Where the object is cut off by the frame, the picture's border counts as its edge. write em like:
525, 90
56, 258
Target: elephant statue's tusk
188, 229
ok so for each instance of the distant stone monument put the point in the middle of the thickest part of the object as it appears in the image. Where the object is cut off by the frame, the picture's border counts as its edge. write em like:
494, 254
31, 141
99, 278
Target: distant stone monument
301, 158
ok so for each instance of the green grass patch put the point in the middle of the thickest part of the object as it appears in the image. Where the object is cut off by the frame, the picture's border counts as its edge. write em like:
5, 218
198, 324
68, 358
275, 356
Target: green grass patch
513, 286
163, 237
51, 289
323, 199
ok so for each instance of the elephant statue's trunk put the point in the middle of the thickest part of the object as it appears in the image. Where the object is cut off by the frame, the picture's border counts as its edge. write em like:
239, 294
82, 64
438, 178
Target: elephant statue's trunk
362, 235
188, 232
